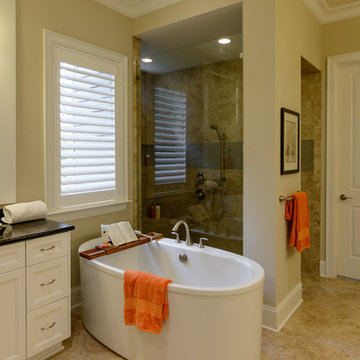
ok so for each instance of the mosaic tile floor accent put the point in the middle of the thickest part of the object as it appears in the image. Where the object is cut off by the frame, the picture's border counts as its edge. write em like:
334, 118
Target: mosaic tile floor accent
326, 326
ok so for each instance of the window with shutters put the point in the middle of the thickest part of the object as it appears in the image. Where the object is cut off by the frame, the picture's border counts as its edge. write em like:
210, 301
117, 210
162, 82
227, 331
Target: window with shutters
86, 124
170, 136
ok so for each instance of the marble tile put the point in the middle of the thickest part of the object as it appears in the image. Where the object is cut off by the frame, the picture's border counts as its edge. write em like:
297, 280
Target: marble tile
311, 161
326, 326
307, 155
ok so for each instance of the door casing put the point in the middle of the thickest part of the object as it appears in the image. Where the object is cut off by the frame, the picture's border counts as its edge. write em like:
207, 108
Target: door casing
334, 63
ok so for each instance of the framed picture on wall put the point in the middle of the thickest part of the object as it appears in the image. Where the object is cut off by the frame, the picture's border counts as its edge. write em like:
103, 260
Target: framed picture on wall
290, 125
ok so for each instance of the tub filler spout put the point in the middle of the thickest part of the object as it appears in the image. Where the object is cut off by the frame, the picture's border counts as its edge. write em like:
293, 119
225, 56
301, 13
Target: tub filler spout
176, 227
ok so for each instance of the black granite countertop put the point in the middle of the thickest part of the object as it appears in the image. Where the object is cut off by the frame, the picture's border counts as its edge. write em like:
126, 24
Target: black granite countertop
31, 229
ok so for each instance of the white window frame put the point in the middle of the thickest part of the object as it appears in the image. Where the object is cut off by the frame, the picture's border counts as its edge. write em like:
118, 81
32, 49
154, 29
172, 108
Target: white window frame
54, 45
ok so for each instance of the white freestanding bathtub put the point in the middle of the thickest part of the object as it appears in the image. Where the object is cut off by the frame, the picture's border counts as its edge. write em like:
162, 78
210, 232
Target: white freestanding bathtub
215, 303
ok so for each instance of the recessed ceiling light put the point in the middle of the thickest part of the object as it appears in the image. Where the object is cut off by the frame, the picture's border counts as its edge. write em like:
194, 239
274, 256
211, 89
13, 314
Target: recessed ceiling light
224, 41
147, 60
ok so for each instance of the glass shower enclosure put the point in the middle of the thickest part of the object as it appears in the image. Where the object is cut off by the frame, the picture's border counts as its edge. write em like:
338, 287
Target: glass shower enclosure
191, 142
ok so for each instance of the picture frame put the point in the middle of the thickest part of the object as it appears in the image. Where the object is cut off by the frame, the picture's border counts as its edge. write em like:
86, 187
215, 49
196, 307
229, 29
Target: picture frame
290, 128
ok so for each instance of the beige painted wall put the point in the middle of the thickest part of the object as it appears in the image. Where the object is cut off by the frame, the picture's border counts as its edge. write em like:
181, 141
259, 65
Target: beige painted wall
177, 12
341, 37
85, 20
298, 34
274, 41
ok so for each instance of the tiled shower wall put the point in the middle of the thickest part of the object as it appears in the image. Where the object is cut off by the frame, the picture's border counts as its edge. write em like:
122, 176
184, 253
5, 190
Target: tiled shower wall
311, 163
213, 97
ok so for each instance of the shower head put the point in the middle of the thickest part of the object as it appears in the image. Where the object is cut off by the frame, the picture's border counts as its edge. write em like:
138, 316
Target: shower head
216, 128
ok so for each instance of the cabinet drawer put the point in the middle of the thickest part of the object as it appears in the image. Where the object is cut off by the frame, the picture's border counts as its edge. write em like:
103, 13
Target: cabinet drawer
47, 282
47, 248
12, 257
47, 326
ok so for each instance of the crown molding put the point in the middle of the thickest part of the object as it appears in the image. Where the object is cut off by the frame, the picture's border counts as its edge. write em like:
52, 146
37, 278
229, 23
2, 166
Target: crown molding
135, 8
326, 14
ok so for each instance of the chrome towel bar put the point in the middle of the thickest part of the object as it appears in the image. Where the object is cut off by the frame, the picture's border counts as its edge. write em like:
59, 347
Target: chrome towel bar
284, 198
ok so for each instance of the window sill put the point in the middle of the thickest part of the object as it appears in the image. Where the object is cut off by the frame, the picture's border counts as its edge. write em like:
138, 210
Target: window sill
81, 212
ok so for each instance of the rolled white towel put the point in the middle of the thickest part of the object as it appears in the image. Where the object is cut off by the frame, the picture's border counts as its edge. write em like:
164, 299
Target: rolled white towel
27, 211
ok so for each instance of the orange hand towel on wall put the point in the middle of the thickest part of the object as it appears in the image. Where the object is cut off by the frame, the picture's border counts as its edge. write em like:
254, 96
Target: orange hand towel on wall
297, 210
146, 303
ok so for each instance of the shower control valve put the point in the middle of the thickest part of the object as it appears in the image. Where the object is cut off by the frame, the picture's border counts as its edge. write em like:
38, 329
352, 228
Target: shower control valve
200, 178
200, 194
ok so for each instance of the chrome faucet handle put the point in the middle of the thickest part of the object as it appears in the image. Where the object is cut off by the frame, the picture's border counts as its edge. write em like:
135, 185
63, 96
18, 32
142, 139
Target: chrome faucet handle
201, 245
177, 240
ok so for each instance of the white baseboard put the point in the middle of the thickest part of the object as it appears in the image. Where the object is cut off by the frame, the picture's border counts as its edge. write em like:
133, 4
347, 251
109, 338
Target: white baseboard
275, 318
48, 352
75, 296
322, 268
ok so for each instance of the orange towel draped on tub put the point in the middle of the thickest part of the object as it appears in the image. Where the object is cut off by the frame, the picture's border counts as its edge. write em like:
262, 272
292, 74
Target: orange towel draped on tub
146, 303
297, 210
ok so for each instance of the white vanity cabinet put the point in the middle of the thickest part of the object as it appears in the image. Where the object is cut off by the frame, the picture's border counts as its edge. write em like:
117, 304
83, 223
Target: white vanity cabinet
12, 302
34, 297
48, 293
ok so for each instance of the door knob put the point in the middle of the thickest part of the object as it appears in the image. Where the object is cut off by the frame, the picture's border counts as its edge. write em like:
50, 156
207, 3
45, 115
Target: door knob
343, 197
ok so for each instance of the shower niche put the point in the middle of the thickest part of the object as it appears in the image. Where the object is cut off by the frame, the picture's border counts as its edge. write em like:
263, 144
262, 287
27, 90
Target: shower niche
191, 140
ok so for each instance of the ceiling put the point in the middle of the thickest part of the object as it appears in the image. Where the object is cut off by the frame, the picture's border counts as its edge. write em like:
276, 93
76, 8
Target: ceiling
327, 11
135, 8
197, 55
193, 42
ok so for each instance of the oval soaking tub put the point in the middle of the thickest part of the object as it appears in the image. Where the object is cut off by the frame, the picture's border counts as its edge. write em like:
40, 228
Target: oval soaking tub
215, 302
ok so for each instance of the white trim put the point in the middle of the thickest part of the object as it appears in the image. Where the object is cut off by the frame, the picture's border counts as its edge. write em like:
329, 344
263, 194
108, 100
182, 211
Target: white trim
52, 43
48, 352
317, 8
88, 211
274, 318
326, 14
136, 8
333, 65
330, 257
75, 297
322, 268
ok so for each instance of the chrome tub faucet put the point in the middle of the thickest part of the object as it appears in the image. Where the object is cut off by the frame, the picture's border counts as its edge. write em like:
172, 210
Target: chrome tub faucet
187, 231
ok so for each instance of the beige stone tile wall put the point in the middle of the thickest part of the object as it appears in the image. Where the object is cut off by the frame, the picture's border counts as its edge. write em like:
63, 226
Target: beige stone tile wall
136, 120
311, 174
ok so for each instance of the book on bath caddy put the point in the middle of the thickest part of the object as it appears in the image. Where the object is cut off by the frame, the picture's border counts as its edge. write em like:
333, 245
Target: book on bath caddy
121, 233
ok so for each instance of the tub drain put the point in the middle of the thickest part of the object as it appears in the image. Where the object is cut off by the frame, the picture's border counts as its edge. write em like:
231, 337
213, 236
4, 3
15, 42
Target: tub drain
183, 258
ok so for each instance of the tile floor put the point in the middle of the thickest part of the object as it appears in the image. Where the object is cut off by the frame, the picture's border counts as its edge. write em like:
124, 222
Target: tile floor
326, 326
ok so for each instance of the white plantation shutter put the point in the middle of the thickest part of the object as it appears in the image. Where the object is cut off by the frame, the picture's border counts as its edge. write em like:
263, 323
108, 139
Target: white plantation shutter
170, 136
86, 125
87, 130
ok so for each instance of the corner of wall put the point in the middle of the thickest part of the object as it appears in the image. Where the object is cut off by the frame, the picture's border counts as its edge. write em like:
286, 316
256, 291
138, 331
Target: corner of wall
274, 318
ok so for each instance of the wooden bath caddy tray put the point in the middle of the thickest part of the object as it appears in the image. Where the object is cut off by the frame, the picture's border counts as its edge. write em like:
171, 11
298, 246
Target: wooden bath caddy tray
98, 251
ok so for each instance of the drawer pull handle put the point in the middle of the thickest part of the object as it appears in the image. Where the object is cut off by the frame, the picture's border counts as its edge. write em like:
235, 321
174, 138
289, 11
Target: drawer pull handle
49, 283
48, 249
49, 327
